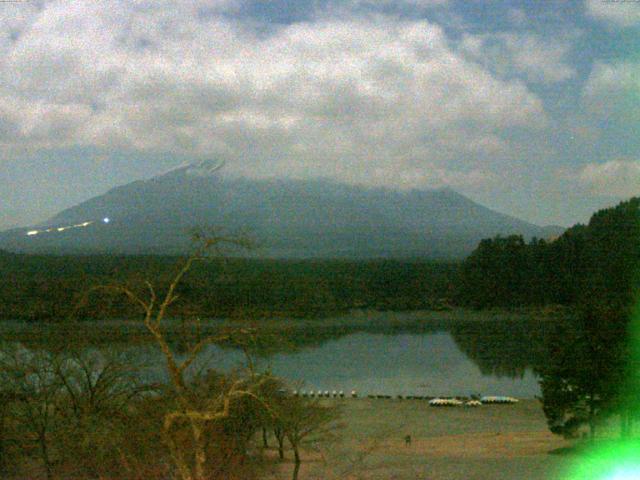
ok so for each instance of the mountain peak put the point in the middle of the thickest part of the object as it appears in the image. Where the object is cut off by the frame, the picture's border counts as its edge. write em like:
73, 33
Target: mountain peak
290, 218
203, 168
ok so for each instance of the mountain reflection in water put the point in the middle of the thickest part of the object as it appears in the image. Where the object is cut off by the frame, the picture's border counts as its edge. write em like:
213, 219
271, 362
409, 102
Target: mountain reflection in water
415, 357
396, 364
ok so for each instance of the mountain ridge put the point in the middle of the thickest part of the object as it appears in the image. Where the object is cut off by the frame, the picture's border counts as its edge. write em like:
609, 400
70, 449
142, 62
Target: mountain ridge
291, 218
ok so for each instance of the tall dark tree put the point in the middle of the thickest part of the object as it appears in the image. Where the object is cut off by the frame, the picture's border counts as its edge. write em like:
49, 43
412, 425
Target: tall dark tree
495, 274
589, 373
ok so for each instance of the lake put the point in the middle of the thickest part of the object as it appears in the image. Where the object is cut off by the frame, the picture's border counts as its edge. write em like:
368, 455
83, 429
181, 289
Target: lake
388, 357
490, 359
397, 364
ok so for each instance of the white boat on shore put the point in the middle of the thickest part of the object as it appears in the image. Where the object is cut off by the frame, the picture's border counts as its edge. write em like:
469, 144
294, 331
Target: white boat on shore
445, 402
498, 399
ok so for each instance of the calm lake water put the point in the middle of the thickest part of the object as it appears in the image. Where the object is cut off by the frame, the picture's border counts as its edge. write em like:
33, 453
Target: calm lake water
406, 358
405, 364
430, 363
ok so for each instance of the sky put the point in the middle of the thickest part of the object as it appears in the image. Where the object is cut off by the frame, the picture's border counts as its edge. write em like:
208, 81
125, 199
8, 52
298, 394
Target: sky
531, 108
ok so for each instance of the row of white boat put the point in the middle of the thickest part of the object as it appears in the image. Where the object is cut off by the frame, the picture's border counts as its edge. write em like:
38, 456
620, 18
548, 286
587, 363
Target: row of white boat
433, 401
455, 402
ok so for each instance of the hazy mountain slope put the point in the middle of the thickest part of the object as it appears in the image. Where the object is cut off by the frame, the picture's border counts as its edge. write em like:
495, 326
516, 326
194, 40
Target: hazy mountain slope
289, 218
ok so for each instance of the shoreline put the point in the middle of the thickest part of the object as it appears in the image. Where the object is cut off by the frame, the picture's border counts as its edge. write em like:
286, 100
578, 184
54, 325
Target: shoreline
270, 335
355, 317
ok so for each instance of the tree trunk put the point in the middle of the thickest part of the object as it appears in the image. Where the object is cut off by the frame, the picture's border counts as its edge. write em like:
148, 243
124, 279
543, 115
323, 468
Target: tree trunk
279, 434
44, 451
296, 456
281, 448
200, 456
3, 409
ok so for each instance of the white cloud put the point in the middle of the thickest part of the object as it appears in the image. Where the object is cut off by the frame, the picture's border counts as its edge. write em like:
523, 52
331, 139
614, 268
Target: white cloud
618, 178
616, 12
606, 79
397, 3
517, 17
529, 55
620, 75
336, 97
614, 89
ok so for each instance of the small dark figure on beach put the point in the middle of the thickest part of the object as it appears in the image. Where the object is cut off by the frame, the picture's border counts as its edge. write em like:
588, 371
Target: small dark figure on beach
407, 440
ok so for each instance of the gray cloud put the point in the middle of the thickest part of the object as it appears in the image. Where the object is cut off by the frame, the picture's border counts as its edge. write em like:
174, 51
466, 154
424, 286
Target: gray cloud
612, 90
618, 178
377, 4
618, 13
531, 56
375, 100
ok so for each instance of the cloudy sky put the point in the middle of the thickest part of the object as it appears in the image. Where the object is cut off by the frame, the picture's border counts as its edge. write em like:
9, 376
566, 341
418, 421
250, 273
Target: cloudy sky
528, 107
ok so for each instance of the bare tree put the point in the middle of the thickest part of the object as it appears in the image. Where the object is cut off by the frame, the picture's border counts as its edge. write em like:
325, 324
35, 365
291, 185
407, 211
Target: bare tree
297, 419
98, 383
98, 390
9, 396
197, 416
36, 390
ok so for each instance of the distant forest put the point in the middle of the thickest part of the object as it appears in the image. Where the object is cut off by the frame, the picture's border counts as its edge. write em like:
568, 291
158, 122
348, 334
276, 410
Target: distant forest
587, 264
43, 288
590, 263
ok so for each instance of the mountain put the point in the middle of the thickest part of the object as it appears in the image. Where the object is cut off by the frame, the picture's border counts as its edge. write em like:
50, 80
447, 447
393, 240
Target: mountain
289, 218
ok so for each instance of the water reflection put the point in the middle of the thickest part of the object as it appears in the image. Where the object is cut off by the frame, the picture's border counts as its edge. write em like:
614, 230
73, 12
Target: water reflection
396, 364
506, 348
402, 358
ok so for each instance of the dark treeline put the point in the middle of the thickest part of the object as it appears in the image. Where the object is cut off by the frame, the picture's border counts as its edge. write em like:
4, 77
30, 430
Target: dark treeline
592, 360
594, 261
41, 288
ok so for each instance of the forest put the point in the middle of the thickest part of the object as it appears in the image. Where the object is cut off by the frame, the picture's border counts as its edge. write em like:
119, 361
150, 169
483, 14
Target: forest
598, 260
43, 288
594, 269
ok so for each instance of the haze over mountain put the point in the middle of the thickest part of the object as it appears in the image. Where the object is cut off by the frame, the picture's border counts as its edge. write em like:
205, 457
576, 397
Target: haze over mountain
289, 218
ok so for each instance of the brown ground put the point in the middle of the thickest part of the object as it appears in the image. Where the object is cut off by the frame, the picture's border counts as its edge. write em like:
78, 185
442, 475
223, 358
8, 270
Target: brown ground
488, 442
476, 445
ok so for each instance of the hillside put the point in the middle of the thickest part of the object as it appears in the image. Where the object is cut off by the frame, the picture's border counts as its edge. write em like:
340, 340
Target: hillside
289, 218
